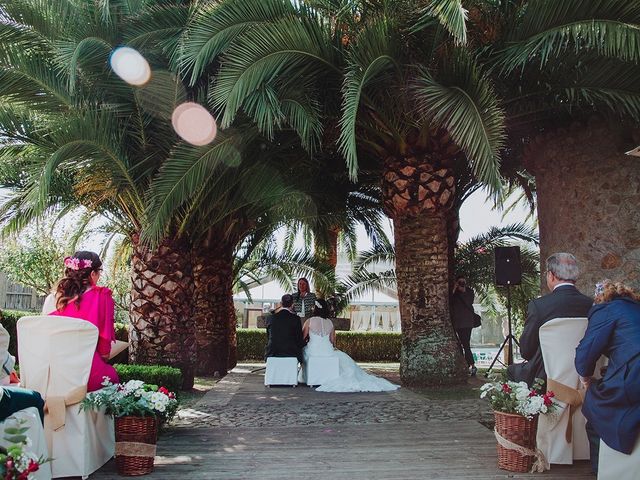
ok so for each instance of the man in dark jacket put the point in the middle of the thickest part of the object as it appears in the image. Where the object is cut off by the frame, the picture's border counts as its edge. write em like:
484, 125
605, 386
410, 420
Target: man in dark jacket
284, 332
564, 301
462, 317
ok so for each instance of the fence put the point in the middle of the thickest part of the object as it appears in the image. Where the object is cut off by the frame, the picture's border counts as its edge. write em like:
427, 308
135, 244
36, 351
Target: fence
14, 296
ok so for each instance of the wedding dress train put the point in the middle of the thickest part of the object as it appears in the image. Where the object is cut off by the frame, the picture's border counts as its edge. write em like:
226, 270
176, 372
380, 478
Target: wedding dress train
351, 378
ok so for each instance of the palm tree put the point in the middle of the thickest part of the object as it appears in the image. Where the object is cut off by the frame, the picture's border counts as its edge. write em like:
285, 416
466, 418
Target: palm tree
224, 197
393, 110
473, 258
86, 138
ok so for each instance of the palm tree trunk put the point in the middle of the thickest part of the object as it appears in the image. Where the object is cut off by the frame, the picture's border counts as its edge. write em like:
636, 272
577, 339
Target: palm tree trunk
214, 312
430, 355
162, 326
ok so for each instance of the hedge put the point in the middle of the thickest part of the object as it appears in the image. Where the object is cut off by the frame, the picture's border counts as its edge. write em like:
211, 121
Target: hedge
361, 346
162, 376
9, 320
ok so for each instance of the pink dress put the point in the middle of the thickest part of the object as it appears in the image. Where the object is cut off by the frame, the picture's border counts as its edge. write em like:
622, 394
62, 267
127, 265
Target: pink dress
96, 306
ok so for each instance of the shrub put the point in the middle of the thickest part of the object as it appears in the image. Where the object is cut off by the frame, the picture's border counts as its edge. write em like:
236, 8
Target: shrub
9, 320
162, 376
361, 346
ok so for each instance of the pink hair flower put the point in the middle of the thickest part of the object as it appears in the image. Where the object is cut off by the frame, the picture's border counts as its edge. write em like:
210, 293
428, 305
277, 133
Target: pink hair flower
86, 263
72, 263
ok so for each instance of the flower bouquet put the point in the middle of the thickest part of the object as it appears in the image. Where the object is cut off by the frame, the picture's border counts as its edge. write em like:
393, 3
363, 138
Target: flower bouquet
516, 408
138, 408
15, 462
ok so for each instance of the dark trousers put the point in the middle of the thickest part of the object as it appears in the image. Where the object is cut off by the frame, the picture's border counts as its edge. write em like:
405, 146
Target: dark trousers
14, 399
464, 335
594, 446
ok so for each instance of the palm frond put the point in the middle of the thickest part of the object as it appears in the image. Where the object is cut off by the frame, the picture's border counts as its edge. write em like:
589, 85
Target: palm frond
548, 28
466, 105
371, 56
449, 13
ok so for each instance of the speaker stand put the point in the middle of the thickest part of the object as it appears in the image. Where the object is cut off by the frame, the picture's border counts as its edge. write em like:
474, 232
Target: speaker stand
508, 341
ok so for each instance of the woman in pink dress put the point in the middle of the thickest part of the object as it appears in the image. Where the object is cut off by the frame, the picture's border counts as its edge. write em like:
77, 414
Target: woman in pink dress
78, 296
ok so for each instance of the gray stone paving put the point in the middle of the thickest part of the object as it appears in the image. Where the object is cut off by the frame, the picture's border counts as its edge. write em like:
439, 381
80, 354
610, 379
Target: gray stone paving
233, 403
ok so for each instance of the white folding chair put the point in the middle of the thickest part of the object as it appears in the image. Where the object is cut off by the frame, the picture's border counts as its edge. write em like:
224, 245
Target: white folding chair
281, 371
318, 370
614, 465
29, 418
55, 359
562, 436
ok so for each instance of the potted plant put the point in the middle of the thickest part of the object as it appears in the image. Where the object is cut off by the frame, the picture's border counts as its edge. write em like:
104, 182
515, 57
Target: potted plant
15, 462
516, 407
138, 409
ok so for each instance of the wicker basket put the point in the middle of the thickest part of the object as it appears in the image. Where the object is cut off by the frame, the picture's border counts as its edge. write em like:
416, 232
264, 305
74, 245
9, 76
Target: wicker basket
135, 444
521, 431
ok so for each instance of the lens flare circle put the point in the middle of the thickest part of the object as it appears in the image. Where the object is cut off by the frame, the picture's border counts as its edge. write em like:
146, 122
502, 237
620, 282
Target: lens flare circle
130, 66
194, 124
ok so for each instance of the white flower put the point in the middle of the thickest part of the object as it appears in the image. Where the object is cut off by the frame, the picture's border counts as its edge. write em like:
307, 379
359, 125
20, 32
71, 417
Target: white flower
133, 385
139, 392
106, 381
522, 394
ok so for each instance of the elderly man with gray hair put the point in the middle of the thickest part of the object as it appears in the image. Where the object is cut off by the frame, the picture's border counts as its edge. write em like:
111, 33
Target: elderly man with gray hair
564, 301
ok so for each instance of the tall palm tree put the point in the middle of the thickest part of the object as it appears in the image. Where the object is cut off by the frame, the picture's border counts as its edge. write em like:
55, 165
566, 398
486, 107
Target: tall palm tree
87, 138
392, 109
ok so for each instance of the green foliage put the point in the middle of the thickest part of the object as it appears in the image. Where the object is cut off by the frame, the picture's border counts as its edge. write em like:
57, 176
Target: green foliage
34, 260
9, 320
133, 398
361, 346
168, 377
15, 463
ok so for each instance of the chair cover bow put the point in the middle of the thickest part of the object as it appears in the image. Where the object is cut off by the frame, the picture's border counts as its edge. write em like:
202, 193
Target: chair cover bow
571, 396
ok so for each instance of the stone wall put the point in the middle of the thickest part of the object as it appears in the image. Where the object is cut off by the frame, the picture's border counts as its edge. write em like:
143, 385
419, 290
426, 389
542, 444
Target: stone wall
589, 199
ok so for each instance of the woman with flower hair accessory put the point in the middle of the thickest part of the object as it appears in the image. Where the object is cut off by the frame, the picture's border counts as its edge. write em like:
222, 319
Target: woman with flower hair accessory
78, 295
612, 404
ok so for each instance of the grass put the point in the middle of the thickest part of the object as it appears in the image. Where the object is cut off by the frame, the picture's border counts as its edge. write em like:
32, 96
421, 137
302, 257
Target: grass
200, 387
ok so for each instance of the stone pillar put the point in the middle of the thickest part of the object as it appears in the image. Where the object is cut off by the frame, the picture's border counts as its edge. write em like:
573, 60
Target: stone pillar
588, 196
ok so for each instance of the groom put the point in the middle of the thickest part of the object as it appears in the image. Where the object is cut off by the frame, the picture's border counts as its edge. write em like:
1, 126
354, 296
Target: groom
284, 331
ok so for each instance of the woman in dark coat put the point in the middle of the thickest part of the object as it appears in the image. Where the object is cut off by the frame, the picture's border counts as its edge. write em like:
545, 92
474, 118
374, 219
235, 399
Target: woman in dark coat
612, 405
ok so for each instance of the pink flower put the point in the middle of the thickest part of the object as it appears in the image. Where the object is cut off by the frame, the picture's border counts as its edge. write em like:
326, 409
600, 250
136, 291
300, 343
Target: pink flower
33, 466
86, 263
72, 263
533, 393
163, 390
506, 388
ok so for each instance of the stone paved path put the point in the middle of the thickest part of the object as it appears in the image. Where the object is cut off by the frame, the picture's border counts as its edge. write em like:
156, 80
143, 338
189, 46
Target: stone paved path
243, 430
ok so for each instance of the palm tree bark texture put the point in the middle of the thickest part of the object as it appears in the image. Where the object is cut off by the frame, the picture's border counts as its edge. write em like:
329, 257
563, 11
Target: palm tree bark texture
417, 195
214, 312
162, 324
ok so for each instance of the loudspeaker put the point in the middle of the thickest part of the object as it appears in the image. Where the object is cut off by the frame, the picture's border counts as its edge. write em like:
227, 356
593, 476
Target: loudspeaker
508, 266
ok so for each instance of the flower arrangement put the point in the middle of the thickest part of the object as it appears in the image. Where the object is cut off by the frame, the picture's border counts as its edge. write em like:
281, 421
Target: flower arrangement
133, 398
517, 397
15, 463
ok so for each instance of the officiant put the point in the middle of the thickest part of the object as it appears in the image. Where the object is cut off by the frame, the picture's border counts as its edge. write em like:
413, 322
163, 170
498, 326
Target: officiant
303, 299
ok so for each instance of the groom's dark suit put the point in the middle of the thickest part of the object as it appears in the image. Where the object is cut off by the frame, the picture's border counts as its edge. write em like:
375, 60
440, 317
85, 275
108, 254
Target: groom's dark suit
564, 302
284, 332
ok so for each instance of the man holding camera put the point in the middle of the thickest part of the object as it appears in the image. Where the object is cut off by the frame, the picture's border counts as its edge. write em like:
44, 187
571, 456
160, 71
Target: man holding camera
463, 318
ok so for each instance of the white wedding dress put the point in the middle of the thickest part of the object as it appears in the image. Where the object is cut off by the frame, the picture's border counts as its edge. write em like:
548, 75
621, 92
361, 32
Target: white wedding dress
352, 378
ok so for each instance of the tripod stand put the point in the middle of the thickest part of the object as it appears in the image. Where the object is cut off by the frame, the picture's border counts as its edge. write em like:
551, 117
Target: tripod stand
508, 340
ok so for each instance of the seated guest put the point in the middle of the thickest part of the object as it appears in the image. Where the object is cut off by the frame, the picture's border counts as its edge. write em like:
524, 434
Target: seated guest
13, 399
7, 361
564, 301
612, 405
284, 332
79, 296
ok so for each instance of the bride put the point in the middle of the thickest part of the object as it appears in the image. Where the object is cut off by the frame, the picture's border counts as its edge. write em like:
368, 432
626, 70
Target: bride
322, 338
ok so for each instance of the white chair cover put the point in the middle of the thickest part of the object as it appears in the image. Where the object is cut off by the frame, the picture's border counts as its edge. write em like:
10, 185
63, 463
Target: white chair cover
319, 370
558, 340
55, 359
281, 371
614, 465
29, 418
